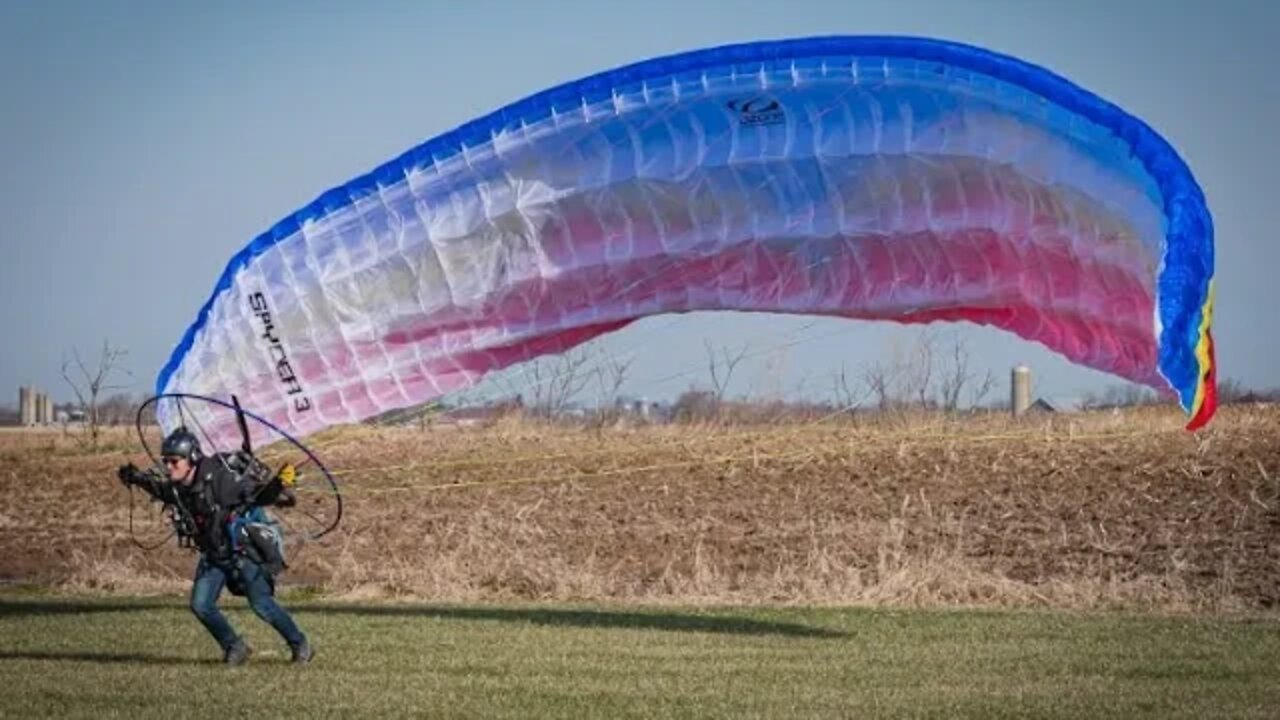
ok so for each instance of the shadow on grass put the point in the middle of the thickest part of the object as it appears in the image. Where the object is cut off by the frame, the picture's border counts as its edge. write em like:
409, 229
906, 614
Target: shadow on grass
92, 657
27, 607
664, 621
674, 622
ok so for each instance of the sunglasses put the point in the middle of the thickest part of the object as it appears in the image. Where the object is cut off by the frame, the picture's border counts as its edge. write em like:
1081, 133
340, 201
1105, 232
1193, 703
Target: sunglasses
171, 461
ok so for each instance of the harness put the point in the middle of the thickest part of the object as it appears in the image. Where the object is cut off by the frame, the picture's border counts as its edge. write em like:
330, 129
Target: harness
249, 531
255, 535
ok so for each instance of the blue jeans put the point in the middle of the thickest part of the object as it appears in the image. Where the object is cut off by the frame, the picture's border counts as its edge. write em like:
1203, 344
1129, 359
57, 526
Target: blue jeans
210, 578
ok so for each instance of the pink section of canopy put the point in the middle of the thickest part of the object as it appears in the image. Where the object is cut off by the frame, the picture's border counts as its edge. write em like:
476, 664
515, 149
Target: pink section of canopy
994, 248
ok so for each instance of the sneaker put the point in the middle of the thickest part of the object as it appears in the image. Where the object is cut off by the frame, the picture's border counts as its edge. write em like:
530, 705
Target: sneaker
303, 653
238, 653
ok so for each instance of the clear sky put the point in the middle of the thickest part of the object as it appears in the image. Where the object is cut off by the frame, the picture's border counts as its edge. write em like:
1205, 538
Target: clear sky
144, 143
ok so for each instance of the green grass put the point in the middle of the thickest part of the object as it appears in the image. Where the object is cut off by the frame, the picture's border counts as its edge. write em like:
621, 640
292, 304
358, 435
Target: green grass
68, 657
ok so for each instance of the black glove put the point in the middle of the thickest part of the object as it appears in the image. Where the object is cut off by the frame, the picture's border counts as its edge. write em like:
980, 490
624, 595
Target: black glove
128, 474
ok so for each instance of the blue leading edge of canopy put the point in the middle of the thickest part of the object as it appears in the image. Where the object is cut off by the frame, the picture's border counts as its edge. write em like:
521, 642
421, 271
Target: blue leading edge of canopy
1183, 285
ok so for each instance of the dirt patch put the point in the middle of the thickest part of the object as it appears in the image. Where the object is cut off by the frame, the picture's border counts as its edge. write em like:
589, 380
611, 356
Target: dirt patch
1070, 510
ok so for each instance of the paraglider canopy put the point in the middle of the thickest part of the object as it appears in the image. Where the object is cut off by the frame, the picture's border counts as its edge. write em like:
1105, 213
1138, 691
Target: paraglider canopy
886, 178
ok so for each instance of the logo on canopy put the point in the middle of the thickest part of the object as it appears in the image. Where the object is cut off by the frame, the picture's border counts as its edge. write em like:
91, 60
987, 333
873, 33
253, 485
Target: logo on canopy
757, 110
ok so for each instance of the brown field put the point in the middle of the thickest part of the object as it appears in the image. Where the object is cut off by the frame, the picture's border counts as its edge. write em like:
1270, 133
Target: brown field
1077, 511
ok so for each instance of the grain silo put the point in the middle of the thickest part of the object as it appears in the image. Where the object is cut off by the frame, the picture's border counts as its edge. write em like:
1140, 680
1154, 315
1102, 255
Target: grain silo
26, 406
1020, 385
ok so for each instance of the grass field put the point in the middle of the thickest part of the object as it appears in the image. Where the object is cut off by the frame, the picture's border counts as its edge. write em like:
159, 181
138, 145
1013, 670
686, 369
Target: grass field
68, 657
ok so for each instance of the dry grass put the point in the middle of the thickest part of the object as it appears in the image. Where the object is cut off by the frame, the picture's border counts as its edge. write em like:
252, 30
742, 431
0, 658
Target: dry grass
1071, 511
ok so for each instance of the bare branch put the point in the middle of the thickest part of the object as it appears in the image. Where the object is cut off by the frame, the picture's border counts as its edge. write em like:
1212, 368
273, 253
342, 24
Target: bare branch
919, 378
96, 382
611, 376
845, 397
569, 381
74, 386
554, 383
880, 381
958, 376
981, 389
721, 384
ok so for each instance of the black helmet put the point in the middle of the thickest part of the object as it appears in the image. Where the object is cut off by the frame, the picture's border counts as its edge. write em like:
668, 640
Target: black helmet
181, 443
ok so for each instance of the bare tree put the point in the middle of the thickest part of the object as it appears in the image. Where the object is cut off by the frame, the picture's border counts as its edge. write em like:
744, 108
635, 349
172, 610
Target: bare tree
148, 414
611, 374
557, 382
1123, 395
1133, 394
722, 372
118, 409
1231, 390
958, 376
880, 380
918, 376
982, 388
695, 406
95, 381
847, 400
